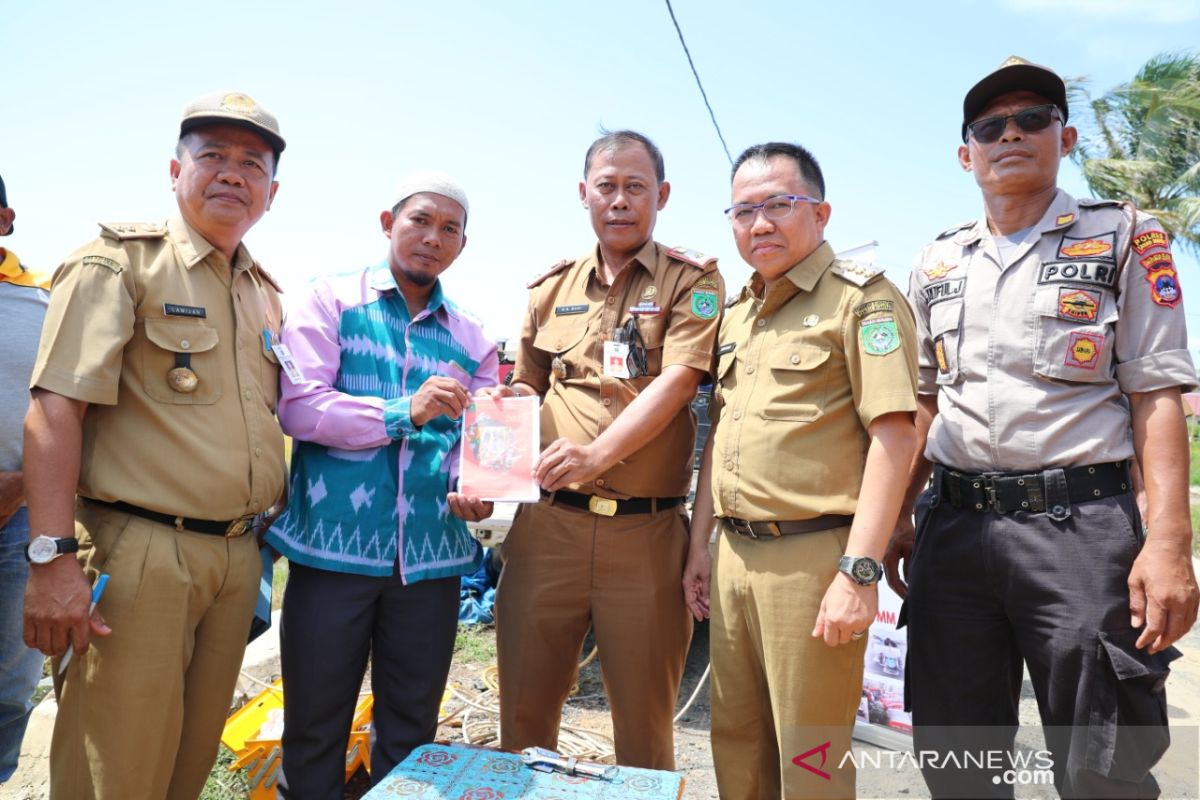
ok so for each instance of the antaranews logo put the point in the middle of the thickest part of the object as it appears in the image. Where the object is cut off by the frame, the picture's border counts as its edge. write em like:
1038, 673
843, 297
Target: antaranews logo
822, 750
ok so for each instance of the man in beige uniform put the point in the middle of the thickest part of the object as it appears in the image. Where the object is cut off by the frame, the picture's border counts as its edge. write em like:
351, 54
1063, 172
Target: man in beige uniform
153, 397
803, 468
1053, 348
617, 343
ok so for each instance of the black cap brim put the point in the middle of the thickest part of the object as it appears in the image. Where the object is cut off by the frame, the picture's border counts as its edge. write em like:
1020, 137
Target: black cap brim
1014, 78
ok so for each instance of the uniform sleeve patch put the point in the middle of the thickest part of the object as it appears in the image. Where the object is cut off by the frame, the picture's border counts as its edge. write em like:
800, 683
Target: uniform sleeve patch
705, 304
1083, 350
1164, 286
874, 307
1157, 260
102, 261
1147, 239
879, 336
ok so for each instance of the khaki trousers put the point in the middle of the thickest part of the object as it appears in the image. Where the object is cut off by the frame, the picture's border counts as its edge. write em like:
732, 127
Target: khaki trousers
778, 693
140, 714
565, 569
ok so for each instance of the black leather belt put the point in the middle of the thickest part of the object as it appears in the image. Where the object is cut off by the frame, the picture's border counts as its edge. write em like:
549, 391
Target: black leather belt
1003, 493
229, 529
607, 507
772, 529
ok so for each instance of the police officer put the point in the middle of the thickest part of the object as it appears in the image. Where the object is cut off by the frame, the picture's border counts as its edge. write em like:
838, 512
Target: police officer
153, 397
1053, 350
616, 342
804, 468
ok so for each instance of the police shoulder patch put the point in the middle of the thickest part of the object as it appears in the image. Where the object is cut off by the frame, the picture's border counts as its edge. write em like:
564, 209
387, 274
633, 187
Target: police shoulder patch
103, 261
855, 273
946, 234
132, 230
689, 256
557, 268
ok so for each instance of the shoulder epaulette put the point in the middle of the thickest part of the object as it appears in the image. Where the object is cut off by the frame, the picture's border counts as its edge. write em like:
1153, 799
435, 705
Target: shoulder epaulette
132, 230
266, 276
855, 273
557, 268
690, 256
954, 229
1096, 202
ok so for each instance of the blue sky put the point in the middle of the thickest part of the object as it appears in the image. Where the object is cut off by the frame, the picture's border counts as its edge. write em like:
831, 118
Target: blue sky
507, 96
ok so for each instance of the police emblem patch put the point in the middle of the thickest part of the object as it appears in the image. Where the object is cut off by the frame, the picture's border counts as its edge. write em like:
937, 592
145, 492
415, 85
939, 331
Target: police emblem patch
1092, 247
1083, 350
704, 303
1144, 241
879, 336
939, 270
1164, 286
1155, 260
1078, 304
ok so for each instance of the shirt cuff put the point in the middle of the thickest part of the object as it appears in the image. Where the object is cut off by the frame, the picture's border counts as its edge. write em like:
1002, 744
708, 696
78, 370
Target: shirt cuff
397, 419
1157, 371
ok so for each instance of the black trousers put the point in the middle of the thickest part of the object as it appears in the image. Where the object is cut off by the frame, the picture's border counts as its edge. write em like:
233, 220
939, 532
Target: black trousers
331, 621
990, 591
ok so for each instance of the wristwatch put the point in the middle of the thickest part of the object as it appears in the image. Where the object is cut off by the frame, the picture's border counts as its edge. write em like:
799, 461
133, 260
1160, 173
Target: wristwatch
44, 549
860, 569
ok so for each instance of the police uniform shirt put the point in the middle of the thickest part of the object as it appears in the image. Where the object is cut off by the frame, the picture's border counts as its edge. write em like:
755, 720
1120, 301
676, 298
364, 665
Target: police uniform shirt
676, 301
127, 309
801, 373
1032, 361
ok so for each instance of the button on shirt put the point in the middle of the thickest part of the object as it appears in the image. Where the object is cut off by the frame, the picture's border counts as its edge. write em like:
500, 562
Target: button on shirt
1032, 360
798, 383
127, 309
572, 313
368, 485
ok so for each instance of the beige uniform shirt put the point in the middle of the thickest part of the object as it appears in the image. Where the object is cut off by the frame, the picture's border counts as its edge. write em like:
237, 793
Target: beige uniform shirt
124, 311
1032, 360
801, 373
676, 300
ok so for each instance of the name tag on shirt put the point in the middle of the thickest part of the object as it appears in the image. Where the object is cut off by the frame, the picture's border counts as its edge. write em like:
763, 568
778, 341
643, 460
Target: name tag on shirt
616, 359
560, 311
286, 362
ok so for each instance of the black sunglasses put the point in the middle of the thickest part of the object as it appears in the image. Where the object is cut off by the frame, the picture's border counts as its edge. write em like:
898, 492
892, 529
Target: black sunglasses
1030, 120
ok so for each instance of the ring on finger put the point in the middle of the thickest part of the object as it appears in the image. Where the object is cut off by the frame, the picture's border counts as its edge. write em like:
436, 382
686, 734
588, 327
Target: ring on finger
857, 634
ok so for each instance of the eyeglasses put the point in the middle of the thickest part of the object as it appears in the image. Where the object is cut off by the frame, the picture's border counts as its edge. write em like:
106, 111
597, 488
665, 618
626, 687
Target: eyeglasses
1030, 120
776, 207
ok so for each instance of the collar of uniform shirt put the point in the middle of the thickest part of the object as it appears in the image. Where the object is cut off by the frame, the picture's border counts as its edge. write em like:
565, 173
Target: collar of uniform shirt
644, 258
194, 248
800, 278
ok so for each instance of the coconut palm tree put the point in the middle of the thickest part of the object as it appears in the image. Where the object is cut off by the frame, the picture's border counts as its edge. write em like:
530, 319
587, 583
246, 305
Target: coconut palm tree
1140, 141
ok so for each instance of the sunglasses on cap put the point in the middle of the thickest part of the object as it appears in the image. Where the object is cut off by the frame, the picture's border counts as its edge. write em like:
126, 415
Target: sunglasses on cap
1030, 120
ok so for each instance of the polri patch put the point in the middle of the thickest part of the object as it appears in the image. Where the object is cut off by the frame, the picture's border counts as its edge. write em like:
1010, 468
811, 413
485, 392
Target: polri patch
874, 307
879, 336
1152, 238
704, 303
1078, 305
944, 290
1091, 272
562, 311
1083, 350
1162, 258
1164, 286
102, 261
1093, 247
726, 348
173, 310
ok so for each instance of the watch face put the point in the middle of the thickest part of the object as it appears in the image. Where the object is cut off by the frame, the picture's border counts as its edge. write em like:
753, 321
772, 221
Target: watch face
865, 570
42, 550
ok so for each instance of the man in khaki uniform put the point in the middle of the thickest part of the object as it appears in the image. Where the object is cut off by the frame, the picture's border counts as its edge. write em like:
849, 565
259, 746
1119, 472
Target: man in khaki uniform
1053, 348
154, 396
616, 342
812, 434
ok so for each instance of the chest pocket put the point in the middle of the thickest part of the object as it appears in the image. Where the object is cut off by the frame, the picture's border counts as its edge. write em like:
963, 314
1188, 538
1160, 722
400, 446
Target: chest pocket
1074, 333
798, 382
171, 343
945, 328
564, 336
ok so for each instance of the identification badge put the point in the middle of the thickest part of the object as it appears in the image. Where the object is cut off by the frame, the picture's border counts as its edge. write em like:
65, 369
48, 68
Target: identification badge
616, 359
286, 362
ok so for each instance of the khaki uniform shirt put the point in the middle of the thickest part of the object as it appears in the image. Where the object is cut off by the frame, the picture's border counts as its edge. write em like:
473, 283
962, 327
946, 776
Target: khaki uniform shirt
572, 313
124, 311
1032, 361
801, 373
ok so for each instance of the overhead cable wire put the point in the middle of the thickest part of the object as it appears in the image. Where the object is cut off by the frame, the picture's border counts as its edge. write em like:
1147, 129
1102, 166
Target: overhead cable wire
703, 94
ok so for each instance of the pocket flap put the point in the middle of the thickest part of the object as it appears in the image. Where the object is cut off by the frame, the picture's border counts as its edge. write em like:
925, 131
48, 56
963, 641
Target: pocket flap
944, 317
1130, 662
788, 355
181, 336
560, 337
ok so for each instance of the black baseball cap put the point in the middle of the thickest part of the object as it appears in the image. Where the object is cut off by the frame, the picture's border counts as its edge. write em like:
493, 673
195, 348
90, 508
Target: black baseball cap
1014, 75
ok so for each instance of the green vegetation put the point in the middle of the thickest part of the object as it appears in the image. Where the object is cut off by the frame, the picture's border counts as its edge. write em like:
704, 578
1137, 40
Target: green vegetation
223, 784
475, 644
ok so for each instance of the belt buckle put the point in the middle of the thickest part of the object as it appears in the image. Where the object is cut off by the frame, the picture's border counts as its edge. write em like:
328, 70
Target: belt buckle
742, 527
989, 490
238, 527
604, 506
